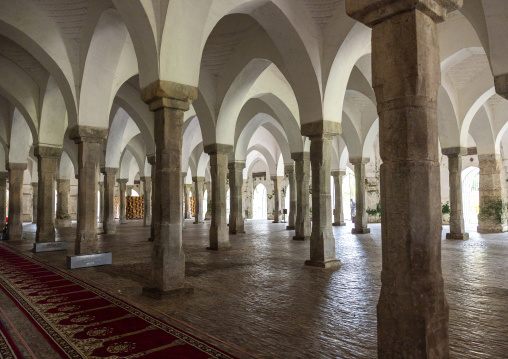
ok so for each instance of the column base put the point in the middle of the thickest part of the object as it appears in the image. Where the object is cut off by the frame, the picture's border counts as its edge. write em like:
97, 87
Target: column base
236, 232
298, 238
123, 221
327, 264
50, 246
492, 229
198, 222
89, 260
339, 224
276, 222
289, 228
63, 223
223, 248
458, 236
360, 230
156, 293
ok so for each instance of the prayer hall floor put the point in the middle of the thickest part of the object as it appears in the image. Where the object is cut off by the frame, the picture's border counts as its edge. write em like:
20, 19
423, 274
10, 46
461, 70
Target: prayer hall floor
259, 297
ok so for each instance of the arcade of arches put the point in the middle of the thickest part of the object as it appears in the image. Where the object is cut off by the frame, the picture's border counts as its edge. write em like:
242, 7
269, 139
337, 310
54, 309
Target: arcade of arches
239, 130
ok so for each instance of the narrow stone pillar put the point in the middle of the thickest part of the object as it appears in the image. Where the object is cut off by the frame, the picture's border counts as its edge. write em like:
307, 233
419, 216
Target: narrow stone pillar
187, 201
35, 201
89, 141
492, 216
302, 171
184, 206
412, 309
208, 214
3, 197
361, 203
236, 223
63, 192
151, 161
219, 236
109, 224
199, 182
276, 198
322, 241
457, 230
169, 101
147, 201
47, 163
101, 201
289, 170
122, 183
15, 224
338, 215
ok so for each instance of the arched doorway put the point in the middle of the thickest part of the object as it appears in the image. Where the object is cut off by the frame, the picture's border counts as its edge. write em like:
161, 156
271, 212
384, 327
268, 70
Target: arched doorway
348, 193
471, 194
259, 202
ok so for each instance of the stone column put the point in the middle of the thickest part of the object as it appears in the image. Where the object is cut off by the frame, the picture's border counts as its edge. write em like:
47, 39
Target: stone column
101, 201
302, 171
322, 241
412, 309
361, 203
123, 188
208, 214
187, 201
35, 201
147, 201
109, 224
89, 141
289, 170
184, 197
236, 223
168, 101
15, 224
3, 197
457, 230
151, 161
219, 236
199, 183
492, 216
63, 192
276, 198
338, 216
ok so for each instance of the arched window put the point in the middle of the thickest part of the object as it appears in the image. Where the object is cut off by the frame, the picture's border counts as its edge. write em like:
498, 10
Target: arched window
471, 194
259, 200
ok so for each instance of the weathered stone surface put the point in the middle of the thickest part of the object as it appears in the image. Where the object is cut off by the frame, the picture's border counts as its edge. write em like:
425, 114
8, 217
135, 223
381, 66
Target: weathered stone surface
63, 190
492, 216
322, 242
338, 213
456, 215
236, 223
302, 170
35, 201
15, 225
187, 201
412, 309
199, 183
361, 203
147, 201
151, 160
289, 170
47, 164
101, 202
122, 184
219, 236
276, 198
208, 186
3, 197
109, 225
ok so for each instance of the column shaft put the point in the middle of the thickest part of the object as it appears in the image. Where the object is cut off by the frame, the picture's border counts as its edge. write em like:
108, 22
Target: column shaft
322, 241
361, 204
35, 201
338, 216
290, 172
15, 224
63, 190
208, 214
302, 171
122, 184
492, 216
109, 224
457, 229
236, 222
3, 198
147, 201
199, 183
276, 199
187, 201
155, 206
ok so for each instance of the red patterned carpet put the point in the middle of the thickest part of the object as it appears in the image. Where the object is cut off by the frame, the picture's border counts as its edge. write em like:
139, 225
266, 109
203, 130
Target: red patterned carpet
8, 349
81, 321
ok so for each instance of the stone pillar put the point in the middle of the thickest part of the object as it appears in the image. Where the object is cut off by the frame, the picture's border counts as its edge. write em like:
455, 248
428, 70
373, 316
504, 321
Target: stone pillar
276, 198
123, 188
289, 170
322, 241
101, 201
199, 182
109, 224
184, 196
147, 201
361, 203
236, 223
302, 171
492, 216
89, 141
151, 161
168, 101
457, 230
63, 192
412, 309
338, 215
35, 201
208, 214
3, 197
219, 236
15, 224
187, 200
